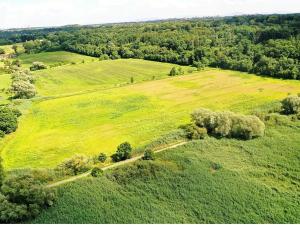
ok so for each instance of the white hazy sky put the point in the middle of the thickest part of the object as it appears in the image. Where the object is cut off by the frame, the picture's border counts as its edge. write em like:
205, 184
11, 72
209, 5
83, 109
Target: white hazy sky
33, 13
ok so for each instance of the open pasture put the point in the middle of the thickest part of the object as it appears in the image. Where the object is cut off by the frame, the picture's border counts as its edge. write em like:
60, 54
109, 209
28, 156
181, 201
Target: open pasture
53, 59
95, 122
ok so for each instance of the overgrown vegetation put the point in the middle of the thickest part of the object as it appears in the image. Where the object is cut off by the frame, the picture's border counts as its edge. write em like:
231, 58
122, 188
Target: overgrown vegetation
22, 197
123, 152
8, 120
22, 86
227, 124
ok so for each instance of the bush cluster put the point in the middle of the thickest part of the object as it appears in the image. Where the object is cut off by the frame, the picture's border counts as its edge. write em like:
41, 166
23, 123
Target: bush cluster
176, 71
291, 105
37, 66
23, 197
123, 152
194, 132
75, 165
228, 124
22, 86
148, 155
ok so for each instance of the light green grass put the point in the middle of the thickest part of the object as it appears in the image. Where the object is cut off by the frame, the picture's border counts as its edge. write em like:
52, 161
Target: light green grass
258, 183
5, 82
96, 122
98, 75
53, 58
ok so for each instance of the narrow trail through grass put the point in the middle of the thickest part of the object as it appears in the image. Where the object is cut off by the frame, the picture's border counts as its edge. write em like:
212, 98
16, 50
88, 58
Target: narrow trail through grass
72, 179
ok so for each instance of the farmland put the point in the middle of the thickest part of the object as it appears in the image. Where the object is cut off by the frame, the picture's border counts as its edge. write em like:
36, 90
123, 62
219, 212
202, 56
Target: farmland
82, 116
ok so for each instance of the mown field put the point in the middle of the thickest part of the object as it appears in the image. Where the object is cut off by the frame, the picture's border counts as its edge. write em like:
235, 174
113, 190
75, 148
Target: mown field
56, 128
257, 182
53, 59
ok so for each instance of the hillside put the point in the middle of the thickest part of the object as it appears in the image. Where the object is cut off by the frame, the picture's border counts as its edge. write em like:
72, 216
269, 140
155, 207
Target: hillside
98, 120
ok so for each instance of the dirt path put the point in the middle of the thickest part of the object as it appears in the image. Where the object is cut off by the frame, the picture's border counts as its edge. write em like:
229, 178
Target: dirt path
71, 179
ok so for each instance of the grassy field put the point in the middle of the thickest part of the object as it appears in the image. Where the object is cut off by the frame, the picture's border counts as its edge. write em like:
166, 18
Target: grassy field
100, 120
98, 75
258, 183
53, 58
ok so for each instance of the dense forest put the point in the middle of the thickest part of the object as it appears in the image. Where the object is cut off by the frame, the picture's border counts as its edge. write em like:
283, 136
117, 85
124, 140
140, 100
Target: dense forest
261, 44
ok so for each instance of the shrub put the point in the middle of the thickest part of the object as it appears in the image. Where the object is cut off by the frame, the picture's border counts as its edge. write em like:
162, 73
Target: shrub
123, 152
291, 105
102, 157
8, 120
176, 71
38, 66
75, 165
22, 89
228, 124
96, 172
149, 155
194, 132
216, 166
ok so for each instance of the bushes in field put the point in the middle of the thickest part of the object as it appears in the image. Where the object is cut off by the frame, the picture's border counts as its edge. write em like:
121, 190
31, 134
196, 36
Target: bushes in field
75, 165
96, 172
123, 152
228, 124
38, 66
102, 157
176, 71
148, 155
291, 105
194, 132
22, 86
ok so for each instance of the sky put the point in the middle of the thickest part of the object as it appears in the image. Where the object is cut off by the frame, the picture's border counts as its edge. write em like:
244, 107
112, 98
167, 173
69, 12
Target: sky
40, 13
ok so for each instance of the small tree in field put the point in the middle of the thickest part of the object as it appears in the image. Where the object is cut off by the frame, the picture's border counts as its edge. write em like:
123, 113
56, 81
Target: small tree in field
148, 155
123, 152
102, 158
38, 66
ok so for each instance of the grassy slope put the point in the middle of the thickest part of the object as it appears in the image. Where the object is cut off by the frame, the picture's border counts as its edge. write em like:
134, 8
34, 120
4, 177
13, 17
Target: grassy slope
98, 121
98, 75
258, 183
53, 58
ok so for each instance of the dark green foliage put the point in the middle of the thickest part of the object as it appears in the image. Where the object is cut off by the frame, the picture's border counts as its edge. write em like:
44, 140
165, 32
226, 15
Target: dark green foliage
291, 105
194, 132
96, 172
228, 124
8, 119
22, 198
262, 44
38, 66
216, 166
102, 157
123, 152
75, 165
149, 155
2, 51
2, 134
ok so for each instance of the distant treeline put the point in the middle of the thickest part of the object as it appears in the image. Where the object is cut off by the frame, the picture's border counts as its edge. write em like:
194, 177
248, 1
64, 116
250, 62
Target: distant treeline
261, 44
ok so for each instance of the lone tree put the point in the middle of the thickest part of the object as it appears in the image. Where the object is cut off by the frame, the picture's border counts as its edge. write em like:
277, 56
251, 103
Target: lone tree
102, 157
123, 152
38, 66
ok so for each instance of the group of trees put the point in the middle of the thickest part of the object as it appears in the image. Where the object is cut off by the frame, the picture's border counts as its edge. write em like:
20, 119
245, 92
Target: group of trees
22, 197
225, 124
267, 45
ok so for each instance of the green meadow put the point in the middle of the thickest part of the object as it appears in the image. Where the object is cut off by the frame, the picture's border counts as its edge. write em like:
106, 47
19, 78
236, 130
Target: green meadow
256, 181
53, 59
92, 107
